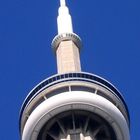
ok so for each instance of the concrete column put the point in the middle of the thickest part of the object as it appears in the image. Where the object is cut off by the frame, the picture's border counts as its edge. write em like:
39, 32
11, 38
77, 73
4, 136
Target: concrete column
68, 59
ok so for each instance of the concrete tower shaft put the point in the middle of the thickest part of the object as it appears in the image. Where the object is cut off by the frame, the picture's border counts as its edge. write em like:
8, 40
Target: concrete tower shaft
68, 57
67, 49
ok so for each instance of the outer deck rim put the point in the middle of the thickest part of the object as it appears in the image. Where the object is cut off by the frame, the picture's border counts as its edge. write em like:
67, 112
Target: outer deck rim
79, 76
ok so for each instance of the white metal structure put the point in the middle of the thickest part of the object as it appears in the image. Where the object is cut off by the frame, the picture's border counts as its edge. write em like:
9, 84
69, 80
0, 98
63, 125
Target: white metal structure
64, 21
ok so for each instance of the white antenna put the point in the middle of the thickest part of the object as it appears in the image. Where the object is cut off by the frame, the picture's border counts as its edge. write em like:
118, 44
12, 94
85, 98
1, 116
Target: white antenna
62, 2
64, 21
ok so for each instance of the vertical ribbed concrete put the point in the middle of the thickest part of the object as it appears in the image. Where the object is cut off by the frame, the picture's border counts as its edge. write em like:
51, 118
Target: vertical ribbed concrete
68, 59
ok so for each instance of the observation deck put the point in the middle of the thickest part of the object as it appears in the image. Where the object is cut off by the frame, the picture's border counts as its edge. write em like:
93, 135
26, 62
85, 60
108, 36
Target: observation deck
69, 82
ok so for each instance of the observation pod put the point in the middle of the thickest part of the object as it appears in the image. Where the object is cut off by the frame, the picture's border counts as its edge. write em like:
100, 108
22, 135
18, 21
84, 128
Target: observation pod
74, 106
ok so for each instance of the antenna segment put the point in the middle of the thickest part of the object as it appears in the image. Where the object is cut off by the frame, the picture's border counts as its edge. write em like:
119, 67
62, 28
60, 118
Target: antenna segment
64, 21
62, 2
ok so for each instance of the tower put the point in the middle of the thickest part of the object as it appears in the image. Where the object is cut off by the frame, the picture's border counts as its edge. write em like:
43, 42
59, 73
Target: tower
73, 105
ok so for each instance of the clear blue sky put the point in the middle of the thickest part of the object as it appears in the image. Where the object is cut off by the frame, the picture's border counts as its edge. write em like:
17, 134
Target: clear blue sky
110, 31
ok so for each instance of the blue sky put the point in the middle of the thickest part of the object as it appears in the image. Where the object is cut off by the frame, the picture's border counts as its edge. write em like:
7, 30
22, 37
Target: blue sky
110, 31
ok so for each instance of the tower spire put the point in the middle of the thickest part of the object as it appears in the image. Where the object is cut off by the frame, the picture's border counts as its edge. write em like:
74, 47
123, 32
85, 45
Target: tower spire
64, 21
62, 2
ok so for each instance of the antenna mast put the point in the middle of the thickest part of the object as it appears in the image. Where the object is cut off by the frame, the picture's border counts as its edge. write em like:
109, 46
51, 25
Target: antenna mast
62, 2
64, 21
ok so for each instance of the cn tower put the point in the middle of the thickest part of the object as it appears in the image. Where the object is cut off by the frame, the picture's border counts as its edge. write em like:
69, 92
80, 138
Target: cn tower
73, 105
